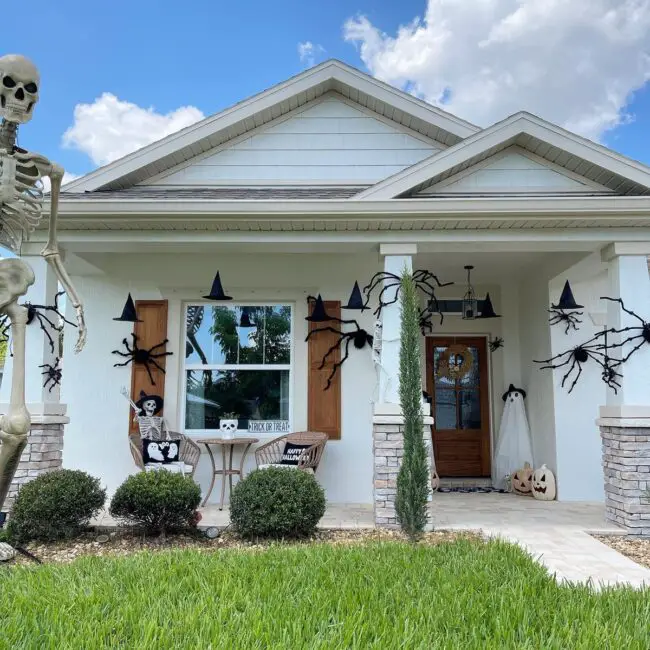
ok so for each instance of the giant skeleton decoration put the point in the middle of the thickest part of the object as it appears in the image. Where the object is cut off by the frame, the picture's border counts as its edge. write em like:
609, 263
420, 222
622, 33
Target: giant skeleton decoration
21, 207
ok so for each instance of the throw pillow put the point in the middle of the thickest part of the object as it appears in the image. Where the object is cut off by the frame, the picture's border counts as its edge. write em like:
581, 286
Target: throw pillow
291, 454
160, 451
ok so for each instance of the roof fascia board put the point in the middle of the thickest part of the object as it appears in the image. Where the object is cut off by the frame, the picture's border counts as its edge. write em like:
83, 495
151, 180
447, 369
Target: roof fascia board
498, 134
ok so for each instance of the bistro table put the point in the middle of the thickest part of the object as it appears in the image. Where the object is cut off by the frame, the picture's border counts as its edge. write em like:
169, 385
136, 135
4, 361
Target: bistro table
226, 444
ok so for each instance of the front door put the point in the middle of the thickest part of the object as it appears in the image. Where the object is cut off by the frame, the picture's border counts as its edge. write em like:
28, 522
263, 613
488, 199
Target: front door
457, 380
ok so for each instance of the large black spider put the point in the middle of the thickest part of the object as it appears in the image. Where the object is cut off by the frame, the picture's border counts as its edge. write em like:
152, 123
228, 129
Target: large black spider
359, 338
593, 349
54, 374
142, 356
641, 332
568, 318
424, 280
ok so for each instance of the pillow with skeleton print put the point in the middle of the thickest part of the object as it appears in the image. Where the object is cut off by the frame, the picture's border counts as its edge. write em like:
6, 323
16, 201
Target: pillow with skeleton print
160, 451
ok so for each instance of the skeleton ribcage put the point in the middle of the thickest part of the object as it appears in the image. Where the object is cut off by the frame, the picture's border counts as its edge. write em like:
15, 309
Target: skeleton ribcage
21, 201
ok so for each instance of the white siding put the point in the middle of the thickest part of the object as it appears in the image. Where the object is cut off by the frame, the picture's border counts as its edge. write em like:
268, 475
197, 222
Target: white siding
511, 171
329, 142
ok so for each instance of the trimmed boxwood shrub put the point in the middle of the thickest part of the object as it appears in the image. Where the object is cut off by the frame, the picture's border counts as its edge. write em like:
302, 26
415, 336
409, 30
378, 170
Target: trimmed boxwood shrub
56, 505
159, 501
276, 502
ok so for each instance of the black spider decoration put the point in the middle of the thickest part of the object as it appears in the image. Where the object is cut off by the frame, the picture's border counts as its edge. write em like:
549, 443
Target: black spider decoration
496, 343
640, 333
391, 283
145, 357
53, 374
39, 312
568, 318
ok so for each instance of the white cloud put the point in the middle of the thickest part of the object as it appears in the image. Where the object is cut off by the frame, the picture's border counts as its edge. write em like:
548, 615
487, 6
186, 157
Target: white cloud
308, 52
573, 62
67, 178
110, 128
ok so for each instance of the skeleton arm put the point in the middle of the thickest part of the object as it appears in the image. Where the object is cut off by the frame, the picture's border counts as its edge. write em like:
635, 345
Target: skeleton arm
51, 251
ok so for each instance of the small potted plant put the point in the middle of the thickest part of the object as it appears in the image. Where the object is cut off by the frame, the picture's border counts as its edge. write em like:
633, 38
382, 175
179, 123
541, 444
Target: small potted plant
228, 424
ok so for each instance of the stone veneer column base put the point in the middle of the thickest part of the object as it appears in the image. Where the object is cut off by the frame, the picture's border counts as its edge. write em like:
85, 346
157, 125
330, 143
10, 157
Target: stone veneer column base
43, 453
388, 450
626, 467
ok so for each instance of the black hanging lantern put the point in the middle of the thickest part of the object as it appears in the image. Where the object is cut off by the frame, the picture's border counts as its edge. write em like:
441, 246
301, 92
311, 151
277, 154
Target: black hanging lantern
567, 301
470, 303
129, 314
245, 319
356, 300
488, 309
217, 293
318, 314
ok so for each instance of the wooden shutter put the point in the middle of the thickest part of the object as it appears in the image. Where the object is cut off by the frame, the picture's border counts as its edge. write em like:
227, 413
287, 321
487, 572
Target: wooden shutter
324, 406
151, 331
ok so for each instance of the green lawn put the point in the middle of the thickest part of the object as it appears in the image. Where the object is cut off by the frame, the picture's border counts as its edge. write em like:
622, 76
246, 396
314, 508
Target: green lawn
463, 594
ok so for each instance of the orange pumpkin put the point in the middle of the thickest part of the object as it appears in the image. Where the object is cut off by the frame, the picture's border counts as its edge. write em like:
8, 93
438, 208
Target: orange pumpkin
522, 481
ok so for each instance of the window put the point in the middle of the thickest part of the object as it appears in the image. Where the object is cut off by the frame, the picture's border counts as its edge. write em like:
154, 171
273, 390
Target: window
237, 361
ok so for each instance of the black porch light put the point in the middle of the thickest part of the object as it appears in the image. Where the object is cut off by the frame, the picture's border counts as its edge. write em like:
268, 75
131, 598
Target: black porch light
488, 309
356, 299
217, 292
470, 303
129, 314
318, 314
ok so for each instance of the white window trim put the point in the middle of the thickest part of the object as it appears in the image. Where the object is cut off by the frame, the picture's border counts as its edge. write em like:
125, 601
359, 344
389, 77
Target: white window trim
205, 433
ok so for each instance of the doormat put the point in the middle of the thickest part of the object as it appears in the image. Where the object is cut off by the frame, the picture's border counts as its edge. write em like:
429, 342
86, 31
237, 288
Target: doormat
472, 489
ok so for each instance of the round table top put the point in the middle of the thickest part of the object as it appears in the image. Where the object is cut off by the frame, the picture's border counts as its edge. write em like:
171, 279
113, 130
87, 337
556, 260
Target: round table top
226, 441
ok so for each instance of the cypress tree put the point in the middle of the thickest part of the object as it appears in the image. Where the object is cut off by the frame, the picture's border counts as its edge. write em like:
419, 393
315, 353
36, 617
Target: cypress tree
413, 476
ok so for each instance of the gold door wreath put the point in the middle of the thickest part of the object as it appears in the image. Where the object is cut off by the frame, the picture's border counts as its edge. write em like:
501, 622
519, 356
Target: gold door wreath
455, 362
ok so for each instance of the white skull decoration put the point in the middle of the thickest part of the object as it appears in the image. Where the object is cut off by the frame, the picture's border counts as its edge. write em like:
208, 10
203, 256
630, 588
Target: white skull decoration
19, 87
544, 484
228, 427
149, 407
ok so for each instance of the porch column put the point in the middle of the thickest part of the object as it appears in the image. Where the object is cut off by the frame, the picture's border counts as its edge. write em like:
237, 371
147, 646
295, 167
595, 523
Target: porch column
388, 423
44, 449
625, 418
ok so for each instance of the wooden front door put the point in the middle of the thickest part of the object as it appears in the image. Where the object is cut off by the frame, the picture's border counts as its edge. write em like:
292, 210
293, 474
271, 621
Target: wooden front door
460, 406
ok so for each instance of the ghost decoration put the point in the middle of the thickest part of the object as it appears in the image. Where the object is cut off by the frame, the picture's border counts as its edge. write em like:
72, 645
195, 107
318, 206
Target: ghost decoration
522, 481
514, 449
544, 484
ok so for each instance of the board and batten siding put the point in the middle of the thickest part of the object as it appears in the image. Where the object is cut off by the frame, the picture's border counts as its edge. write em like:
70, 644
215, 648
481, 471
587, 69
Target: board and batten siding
514, 171
329, 142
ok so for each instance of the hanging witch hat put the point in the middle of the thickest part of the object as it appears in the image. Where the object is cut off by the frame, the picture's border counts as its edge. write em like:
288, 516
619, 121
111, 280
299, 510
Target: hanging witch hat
245, 319
129, 314
216, 293
488, 309
318, 313
512, 389
567, 301
356, 299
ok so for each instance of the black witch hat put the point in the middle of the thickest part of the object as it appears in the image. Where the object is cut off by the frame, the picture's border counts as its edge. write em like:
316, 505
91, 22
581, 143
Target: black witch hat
512, 389
216, 293
146, 398
129, 314
567, 301
488, 309
318, 314
245, 319
356, 299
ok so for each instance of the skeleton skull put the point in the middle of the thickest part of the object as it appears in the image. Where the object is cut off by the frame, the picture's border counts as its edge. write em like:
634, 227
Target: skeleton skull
149, 407
228, 427
19, 87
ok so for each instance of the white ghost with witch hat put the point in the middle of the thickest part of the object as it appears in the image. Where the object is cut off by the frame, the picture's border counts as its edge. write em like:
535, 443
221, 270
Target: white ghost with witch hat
514, 447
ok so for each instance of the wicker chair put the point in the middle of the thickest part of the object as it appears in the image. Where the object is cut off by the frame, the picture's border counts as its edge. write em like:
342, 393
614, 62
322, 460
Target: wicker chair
189, 452
271, 452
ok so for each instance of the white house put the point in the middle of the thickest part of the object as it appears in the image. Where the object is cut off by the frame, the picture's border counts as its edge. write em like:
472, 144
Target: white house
323, 180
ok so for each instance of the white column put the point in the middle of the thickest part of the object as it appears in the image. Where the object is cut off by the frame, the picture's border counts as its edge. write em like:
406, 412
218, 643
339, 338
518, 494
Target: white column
38, 352
630, 281
397, 258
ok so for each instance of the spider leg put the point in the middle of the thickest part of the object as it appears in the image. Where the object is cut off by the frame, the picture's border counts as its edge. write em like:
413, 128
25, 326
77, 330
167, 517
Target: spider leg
157, 365
160, 345
126, 363
123, 354
339, 363
160, 354
343, 337
575, 381
380, 297
146, 365
627, 311
326, 328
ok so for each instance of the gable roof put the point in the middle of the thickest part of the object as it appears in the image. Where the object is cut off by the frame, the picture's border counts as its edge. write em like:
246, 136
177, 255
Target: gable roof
579, 155
264, 107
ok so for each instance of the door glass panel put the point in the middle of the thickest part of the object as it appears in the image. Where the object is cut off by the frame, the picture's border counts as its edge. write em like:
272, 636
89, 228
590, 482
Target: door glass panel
470, 409
446, 409
442, 382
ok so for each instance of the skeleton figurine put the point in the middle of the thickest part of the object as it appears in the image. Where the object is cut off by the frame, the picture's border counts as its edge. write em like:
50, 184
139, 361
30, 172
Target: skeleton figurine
21, 206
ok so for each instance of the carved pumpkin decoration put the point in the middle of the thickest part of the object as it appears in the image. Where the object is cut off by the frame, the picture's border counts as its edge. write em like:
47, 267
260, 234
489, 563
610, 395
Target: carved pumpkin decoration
435, 481
522, 481
544, 484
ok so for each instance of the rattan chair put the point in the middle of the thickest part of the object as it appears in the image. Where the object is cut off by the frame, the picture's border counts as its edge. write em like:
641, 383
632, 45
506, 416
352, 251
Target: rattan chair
271, 452
189, 452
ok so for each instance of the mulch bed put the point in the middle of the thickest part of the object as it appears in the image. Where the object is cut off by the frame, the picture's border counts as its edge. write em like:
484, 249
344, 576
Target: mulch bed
122, 543
632, 547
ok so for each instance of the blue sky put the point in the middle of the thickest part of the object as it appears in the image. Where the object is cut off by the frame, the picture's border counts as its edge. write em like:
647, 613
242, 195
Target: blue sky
212, 54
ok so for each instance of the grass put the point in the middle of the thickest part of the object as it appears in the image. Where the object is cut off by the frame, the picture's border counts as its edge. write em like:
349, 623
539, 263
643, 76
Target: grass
463, 594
